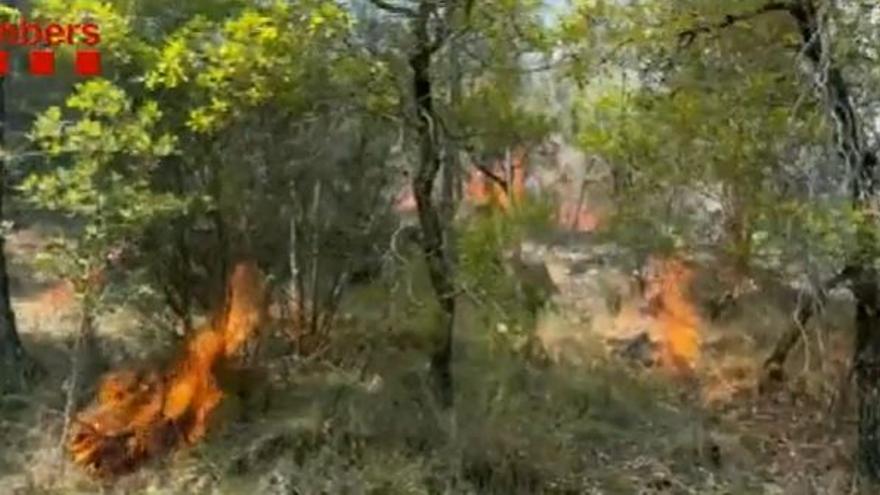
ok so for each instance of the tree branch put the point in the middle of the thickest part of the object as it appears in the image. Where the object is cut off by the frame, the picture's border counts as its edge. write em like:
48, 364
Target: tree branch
492, 175
393, 8
808, 305
687, 37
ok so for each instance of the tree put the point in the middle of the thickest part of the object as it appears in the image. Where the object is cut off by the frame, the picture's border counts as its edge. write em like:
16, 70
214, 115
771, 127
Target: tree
279, 73
433, 230
500, 33
812, 19
706, 38
195, 174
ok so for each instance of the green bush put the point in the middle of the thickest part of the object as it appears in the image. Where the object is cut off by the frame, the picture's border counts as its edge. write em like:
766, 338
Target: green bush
486, 243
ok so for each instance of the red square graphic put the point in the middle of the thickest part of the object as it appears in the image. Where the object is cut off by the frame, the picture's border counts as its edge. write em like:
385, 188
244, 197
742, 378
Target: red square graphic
4, 62
88, 62
42, 62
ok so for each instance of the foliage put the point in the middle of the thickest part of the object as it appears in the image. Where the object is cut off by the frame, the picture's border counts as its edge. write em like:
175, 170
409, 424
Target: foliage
487, 246
692, 119
120, 43
111, 152
146, 160
272, 54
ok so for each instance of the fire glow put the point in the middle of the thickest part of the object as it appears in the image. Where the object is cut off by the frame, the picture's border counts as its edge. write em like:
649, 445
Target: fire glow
141, 414
676, 317
482, 190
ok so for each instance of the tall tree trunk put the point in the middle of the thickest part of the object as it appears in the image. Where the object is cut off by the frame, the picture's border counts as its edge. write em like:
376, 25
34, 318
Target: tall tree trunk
15, 366
433, 245
867, 372
315, 262
739, 234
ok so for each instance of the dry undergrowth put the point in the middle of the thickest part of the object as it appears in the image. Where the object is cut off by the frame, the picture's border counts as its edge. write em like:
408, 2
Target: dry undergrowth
360, 421
141, 414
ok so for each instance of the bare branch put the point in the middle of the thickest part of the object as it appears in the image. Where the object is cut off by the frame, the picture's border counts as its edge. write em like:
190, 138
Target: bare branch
394, 8
492, 175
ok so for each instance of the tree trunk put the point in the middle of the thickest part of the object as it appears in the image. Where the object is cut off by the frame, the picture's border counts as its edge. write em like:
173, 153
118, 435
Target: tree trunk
867, 371
315, 262
739, 234
433, 246
15, 366
13, 360
83, 366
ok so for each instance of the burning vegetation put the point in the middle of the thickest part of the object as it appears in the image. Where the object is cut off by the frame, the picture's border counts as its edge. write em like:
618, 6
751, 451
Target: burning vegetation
667, 315
503, 184
141, 414
677, 320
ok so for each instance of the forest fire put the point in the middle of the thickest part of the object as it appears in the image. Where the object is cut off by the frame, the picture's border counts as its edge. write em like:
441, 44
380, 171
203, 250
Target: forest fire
502, 185
677, 320
483, 190
141, 414
577, 217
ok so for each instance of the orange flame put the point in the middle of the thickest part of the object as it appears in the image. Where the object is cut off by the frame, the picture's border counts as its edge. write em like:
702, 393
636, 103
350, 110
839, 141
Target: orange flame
667, 284
140, 414
480, 190
576, 217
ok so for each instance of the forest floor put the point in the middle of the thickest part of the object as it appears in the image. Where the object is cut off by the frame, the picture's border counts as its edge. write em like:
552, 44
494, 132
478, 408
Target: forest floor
795, 438
360, 420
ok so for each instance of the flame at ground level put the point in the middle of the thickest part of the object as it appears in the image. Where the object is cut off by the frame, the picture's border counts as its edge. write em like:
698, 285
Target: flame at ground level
666, 311
666, 289
140, 414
